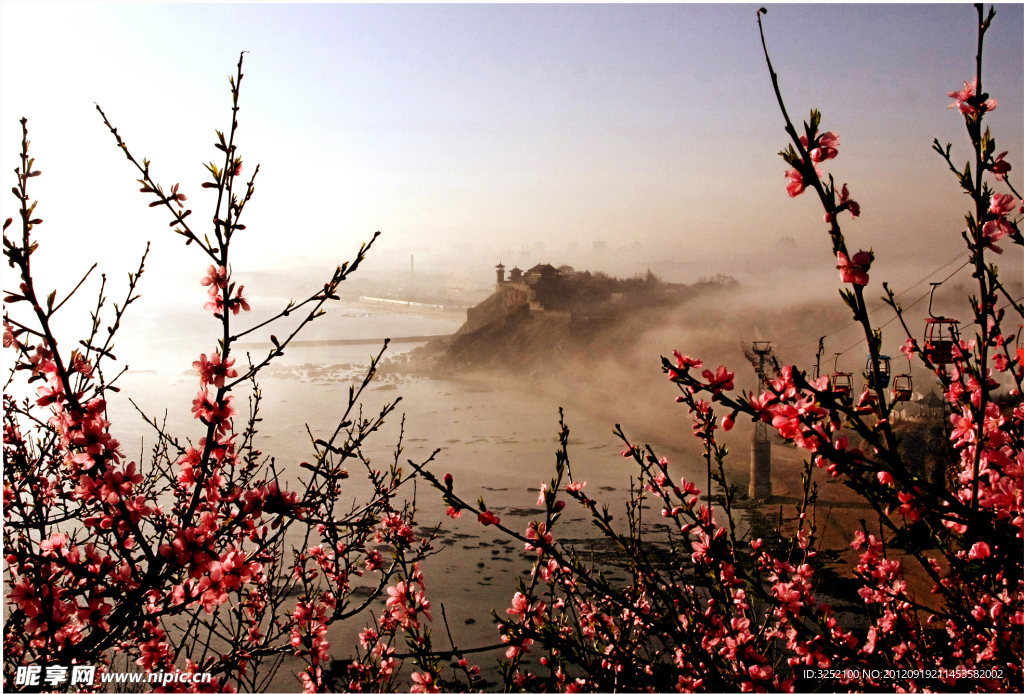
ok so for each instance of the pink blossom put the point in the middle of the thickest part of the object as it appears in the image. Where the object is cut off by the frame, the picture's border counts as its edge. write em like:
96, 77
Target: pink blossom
238, 303
980, 550
488, 518
789, 595
909, 347
9, 338
368, 637
720, 380
538, 534
846, 203
213, 370
206, 408
215, 302
52, 547
1002, 204
513, 651
398, 594
423, 682
215, 277
686, 362
202, 405
1000, 167
964, 95
453, 512
995, 229
854, 272
521, 606
826, 148
175, 196
374, 560
52, 393
803, 538
796, 183
80, 364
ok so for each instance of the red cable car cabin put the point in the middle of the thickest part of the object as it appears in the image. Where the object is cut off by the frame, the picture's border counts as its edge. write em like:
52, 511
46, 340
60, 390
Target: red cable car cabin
939, 337
841, 382
867, 396
902, 388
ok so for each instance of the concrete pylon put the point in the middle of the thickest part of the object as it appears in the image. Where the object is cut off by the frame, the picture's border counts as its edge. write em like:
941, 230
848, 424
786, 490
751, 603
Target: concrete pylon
761, 445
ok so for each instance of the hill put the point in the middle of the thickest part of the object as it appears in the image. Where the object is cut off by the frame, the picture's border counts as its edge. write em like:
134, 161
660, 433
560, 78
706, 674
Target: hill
541, 321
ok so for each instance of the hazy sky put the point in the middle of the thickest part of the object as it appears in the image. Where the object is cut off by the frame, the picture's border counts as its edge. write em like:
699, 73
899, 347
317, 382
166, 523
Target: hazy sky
500, 125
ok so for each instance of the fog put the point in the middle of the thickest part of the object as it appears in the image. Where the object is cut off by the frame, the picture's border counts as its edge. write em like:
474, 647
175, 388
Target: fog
612, 137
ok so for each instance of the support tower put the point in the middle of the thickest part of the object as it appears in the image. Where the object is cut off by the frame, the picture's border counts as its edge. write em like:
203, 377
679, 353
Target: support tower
761, 446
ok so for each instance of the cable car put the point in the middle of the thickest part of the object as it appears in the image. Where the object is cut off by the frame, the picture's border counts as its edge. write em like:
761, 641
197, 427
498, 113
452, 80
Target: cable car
868, 396
884, 370
940, 335
902, 388
840, 382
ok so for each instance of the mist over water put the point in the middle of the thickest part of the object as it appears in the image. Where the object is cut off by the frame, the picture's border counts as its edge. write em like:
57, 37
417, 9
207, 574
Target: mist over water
496, 431
496, 437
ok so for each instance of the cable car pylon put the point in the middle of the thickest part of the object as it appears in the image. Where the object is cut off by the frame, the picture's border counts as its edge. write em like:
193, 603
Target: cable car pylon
761, 445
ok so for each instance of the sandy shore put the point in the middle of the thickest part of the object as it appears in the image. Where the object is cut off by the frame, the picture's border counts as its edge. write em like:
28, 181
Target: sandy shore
839, 513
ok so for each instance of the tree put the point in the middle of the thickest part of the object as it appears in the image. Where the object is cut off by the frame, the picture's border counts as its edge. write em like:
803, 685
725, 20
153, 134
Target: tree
708, 609
186, 559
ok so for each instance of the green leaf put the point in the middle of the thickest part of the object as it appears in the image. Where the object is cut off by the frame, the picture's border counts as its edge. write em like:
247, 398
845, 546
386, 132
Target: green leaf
849, 298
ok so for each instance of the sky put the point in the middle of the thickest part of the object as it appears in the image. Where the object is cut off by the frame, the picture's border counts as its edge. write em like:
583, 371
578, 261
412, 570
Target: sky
496, 127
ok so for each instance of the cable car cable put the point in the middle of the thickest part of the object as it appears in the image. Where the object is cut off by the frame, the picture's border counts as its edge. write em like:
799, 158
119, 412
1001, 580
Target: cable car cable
906, 308
898, 294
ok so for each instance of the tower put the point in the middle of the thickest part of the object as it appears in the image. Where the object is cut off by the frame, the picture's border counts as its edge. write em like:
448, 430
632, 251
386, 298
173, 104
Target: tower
761, 446
501, 273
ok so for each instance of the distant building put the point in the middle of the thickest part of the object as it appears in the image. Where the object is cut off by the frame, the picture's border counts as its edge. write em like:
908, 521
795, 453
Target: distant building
563, 294
536, 287
539, 273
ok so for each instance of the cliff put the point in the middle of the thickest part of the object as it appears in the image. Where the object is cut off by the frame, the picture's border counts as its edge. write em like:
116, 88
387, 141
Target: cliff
519, 331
